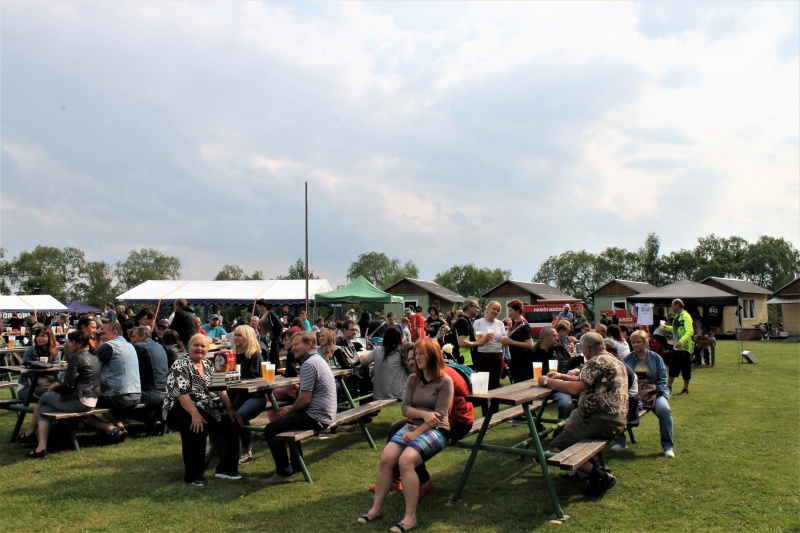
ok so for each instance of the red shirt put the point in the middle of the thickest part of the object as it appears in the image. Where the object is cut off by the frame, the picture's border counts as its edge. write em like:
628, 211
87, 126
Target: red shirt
417, 323
462, 412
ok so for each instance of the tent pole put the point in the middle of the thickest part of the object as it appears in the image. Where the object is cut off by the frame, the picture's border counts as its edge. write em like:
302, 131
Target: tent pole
306, 248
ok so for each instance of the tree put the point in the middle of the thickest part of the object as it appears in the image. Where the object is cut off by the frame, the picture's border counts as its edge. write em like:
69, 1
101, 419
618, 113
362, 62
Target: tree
720, 257
771, 262
380, 270
47, 270
469, 280
5, 273
97, 286
146, 264
649, 260
617, 263
298, 271
677, 266
572, 272
235, 272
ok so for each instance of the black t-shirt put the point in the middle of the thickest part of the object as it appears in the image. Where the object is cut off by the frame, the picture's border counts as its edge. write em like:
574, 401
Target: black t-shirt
15, 323
520, 331
251, 368
463, 328
565, 361
435, 324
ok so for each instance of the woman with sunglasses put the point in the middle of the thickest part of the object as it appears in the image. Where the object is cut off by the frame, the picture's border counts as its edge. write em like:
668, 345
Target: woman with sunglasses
426, 404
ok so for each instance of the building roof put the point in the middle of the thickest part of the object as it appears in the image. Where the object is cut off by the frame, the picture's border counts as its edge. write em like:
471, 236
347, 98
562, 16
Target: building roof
636, 286
738, 285
791, 282
691, 292
542, 291
434, 288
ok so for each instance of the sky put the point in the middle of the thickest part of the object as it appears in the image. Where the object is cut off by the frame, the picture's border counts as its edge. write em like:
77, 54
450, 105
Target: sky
440, 132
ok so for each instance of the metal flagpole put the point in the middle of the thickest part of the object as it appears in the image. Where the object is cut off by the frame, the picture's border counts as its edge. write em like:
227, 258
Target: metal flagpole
306, 248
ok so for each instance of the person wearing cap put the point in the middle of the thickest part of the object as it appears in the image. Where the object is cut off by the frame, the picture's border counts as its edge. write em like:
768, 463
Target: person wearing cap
566, 313
214, 330
161, 326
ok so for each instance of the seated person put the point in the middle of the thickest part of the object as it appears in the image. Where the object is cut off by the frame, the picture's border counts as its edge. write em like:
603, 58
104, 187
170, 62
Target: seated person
153, 368
616, 335
194, 410
77, 394
547, 349
315, 407
562, 332
44, 345
602, 406
213, 329
390, 372
119, 378
173, 346
248, 357
426, 403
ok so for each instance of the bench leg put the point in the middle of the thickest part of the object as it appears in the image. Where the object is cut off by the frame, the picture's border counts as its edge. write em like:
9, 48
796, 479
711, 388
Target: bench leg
601, 462
472, 456
73, 438
299, 458
347, 394
366, 433
560, 516
21, 415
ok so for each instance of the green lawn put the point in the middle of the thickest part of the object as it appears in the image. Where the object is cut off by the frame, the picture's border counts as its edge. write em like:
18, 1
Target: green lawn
736, 469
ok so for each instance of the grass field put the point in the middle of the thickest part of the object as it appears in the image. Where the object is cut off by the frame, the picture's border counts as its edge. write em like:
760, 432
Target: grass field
736, 440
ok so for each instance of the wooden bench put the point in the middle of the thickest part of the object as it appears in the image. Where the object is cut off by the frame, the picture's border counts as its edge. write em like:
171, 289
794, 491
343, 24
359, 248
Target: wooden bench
74, 417
499, 418
292, 438
7, 384
577, 454
5, 404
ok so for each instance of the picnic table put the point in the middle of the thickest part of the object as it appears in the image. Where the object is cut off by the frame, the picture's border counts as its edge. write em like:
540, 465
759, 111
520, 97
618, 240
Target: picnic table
252, 386
529, 396
25, 408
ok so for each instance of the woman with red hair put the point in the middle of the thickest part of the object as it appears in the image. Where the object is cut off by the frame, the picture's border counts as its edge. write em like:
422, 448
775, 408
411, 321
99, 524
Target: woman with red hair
426, 404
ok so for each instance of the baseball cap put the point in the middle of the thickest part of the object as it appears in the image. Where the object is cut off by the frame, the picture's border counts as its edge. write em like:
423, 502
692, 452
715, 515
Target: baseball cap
213, 316
163, 322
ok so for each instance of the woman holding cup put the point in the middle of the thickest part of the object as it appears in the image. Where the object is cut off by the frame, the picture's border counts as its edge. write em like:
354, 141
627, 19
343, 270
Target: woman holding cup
248, 360
44, 350
489, 332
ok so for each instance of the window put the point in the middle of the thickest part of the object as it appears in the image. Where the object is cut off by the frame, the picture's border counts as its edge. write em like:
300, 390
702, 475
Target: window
748, 309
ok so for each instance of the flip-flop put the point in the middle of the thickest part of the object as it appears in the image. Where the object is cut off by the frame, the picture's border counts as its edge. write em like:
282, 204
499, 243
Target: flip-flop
366, 518
400, 528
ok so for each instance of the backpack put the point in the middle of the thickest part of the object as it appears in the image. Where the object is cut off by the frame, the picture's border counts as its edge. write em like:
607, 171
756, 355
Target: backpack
464, 371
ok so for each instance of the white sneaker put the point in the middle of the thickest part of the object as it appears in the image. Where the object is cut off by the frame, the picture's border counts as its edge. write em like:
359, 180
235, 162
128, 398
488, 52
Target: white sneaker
618, 447
669, 453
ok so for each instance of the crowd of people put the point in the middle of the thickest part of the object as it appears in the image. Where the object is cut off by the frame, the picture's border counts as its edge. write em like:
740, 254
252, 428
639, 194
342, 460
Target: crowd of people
158, 372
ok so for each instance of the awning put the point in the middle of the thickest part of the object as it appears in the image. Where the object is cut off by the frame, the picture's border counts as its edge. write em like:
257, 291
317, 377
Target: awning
235, 292
691, 292
81, 307
359, 290
28, 303
780, 300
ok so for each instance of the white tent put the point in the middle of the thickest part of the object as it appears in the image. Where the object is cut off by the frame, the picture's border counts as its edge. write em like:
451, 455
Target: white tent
244, 292
29, 303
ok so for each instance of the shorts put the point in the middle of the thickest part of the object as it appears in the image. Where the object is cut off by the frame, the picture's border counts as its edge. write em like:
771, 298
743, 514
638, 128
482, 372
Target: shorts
596, 426
426, 445
680, 364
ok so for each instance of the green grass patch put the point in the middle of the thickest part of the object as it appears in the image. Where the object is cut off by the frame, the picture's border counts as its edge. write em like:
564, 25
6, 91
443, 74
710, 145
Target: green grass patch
736, 441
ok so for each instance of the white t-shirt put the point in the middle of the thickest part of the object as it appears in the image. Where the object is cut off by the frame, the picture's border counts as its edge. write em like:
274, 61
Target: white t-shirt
499, 329
644, 314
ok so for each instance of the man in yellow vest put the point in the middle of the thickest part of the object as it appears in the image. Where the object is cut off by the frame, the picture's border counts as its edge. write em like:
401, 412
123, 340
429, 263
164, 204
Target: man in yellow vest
682, 346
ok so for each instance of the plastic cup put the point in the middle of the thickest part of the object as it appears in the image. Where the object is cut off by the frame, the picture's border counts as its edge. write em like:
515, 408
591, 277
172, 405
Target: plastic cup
490, 336
537, 370
553, 365
22, 330
12, 342
43, 359
478, 335
239, 369
270, 374
264, 370
63, 364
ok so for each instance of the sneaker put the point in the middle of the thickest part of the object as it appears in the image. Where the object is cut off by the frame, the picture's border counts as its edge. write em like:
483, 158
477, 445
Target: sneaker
425, 488
598, 487
202, 482
397, 486
669, 453
246, 458
229, 475
685, 391
618, 447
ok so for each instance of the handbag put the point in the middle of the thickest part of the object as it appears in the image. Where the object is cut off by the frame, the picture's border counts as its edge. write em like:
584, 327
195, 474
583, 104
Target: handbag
648, 394
38, 365
347, 357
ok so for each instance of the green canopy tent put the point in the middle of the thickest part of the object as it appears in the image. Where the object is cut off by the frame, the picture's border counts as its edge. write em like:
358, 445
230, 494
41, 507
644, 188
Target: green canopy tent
359, 290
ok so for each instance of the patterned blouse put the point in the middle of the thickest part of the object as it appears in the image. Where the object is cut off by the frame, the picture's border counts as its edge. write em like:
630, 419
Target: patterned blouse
183, 378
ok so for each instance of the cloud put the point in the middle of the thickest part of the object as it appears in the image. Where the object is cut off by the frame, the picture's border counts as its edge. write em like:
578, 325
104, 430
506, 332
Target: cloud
494, 133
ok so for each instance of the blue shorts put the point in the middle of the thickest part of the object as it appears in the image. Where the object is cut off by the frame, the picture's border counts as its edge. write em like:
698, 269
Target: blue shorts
426, 445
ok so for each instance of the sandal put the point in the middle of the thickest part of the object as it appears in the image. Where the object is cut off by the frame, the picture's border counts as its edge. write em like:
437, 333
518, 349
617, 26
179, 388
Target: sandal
400, 528
27, 439
33, 454
366, 518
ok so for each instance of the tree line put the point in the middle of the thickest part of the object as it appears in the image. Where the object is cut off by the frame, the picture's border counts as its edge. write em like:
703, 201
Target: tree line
769, 262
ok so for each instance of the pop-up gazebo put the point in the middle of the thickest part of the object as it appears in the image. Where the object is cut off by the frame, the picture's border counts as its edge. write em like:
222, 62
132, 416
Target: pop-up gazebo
30, 303
360, 290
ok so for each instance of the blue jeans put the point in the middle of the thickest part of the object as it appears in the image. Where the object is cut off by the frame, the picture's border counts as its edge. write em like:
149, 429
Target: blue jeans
664, 414
251, 408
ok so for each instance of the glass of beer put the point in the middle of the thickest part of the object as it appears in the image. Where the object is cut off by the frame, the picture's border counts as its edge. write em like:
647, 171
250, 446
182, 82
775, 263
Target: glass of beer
478, 335
537, 370
490, 336
553, 365
264, 370
269, 375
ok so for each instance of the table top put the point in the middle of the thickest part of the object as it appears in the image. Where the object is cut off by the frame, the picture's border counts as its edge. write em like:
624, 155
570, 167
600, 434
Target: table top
19, 369
517, 394
261, 385
4, 351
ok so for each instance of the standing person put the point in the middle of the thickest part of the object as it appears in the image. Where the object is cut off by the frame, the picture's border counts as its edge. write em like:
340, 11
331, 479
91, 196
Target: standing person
183, 321
519, 341
315, 407
391, 318
465, 332
434, 321
351, 315
602, 406
363, 324
121, 316
272, 326
682, 346
426, 403
306, 323
248, 357
579, 319
489, 356
193, 409
214, 330
286, 316
650, 370
109, 315
566, 313
44, 345
417, 325
405, 323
